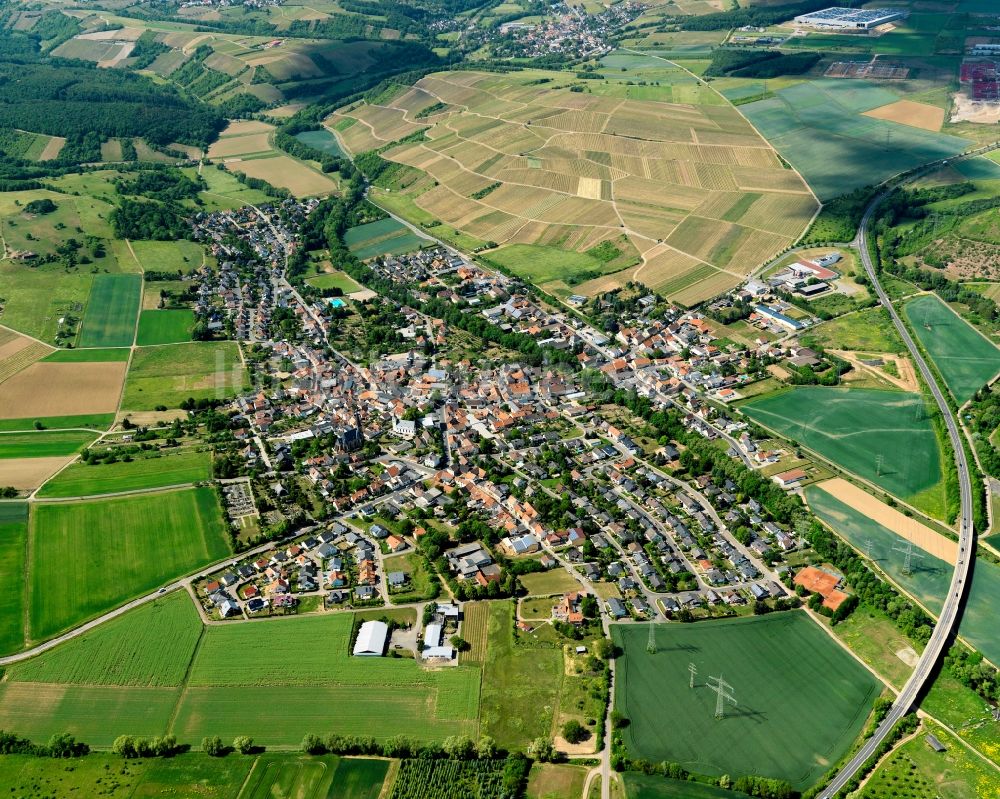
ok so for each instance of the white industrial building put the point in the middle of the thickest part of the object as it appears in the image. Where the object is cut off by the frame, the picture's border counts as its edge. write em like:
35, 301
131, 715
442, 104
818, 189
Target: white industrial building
372, 639
838, 18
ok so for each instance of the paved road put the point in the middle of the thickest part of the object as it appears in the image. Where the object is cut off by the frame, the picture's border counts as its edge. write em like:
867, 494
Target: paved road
947, 624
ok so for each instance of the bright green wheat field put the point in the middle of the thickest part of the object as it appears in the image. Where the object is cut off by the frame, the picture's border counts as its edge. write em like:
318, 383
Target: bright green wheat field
88, 557
801, 699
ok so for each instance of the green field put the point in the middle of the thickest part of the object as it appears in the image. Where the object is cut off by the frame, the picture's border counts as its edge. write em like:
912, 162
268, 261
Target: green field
930, 577
819, 128
240, 671
44, 445
97, 421
88, 557
149, 647
965, 359
646, 786
184, 776
852, 427
112, 309
322, 140
802, 700
167, 469
157, 669
165, 327
113, 355
92, 713
13, 543
385, 237
169, 375
291, 777
37, 298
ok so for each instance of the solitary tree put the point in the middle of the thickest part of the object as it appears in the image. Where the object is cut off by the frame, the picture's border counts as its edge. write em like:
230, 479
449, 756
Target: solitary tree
243, 744
212, 746
574, 732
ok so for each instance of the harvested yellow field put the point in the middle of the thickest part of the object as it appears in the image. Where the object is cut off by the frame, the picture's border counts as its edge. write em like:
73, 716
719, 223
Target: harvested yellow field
907, 112
909, 528
577, 168
240, 145
284, 171
26, 474
590, 188
244, 127
62, 389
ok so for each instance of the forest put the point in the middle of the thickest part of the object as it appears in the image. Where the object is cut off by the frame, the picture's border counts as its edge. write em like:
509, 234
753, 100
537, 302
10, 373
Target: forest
72, 99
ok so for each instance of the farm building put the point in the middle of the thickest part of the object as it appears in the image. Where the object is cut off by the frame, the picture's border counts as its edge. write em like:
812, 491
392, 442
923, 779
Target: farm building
791, 478
372, 638
838, 18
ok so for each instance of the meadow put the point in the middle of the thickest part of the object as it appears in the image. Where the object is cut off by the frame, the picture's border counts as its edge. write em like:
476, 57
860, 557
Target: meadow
168, 375
165, 469
930, 576
170, 256
915, 769
13, 543
802, 700
519, 159
88, 557
225, 192
112, 309
820, 127
165, 327
384, 237
43, 444
521, 683
853, 427
965, 358
334, 280
187, 775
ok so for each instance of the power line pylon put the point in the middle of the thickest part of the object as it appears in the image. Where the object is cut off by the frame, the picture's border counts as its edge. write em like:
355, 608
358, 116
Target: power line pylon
723, 694
693, 670
910, 555
651, 641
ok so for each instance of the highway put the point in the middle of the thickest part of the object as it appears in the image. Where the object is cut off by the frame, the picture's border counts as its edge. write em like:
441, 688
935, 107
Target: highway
947, 623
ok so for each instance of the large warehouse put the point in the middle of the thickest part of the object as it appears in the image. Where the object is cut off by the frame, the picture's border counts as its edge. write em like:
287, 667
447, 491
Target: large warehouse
850, 18
372, 638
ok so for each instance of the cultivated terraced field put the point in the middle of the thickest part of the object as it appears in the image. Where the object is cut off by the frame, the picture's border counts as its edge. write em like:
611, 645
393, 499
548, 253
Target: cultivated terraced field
801, 698
521, 159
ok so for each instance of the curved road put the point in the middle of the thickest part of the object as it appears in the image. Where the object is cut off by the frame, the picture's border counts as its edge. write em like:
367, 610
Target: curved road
948, 620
